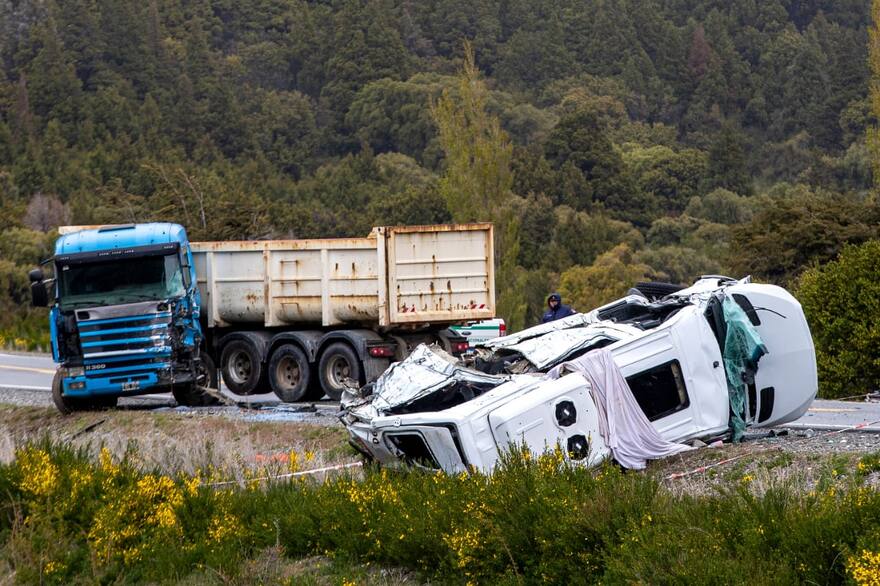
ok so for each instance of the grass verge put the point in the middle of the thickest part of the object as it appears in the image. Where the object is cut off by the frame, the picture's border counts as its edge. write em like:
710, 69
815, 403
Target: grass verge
67, 517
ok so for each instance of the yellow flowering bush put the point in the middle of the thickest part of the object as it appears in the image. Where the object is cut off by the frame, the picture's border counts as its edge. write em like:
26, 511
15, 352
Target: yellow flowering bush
864, 568
39, 475
73, 518
135, 514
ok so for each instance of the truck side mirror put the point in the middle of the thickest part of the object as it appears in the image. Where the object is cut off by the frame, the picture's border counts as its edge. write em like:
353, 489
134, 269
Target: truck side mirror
35, 275
39, 296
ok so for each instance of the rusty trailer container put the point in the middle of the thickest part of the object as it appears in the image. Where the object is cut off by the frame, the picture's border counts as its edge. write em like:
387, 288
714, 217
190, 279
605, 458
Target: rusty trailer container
396, 277
304, 318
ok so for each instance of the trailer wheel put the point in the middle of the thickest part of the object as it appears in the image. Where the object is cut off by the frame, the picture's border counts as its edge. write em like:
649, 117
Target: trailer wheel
66, 405
289, 373
314, 392
338, 364
191, 395
242, 367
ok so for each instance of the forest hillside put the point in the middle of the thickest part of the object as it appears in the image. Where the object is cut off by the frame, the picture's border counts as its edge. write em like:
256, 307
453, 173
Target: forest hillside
611, 141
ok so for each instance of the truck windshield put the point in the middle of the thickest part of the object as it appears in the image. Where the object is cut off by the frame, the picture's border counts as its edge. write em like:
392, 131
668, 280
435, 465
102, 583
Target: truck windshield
120, 281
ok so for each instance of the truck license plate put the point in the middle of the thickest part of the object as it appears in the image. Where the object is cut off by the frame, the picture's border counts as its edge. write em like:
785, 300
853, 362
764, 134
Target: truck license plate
131, 386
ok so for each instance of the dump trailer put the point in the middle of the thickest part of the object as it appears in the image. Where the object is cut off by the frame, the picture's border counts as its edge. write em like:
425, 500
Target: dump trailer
139, 309
309, 317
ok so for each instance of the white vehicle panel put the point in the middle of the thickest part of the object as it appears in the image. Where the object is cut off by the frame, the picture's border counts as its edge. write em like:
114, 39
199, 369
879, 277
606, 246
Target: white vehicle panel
670, 352
789, 367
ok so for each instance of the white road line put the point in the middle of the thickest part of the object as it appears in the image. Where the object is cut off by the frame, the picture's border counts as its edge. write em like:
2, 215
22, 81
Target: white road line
24, 388
27, 369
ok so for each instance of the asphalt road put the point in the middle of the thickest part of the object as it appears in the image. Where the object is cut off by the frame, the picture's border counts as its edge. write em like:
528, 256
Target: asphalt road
31, 375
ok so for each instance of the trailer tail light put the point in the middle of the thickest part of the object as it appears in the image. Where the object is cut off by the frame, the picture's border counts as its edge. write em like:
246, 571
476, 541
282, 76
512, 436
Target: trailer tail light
502, 329
459, 347
381, 351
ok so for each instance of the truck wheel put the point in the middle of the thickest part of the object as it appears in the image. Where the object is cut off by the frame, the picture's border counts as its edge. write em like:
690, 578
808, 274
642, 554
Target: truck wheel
654, 290
338, 364
66, 405
289, 373
242, 367
104, 402
192, 395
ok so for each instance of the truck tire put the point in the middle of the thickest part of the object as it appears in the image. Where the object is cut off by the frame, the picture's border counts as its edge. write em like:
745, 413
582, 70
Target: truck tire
66, 405
104, 402
656, 290
289, 373
242, 367
338, 363
191, 395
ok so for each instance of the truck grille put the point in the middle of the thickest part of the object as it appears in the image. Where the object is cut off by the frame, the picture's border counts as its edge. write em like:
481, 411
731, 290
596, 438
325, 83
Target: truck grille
111, 339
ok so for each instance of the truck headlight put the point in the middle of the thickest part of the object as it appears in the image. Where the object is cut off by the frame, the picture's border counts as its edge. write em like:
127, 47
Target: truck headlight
75, 371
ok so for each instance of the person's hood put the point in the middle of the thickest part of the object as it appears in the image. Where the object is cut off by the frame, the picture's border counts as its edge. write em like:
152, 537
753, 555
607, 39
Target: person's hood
555, 296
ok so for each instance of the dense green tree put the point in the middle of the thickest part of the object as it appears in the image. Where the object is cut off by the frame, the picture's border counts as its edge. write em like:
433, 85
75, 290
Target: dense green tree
791, 231
671, 177
841, 300
580, 143
532, 58
874, 60
608, 278
580, 237
679, 264
392, 115
722, 207
286, 131
727, 162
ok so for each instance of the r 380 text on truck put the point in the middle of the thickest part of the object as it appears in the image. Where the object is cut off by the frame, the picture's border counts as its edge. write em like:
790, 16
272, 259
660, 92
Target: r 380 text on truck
139, 309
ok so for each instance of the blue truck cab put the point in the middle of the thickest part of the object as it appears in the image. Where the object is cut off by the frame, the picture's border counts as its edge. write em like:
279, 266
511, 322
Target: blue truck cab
124, 317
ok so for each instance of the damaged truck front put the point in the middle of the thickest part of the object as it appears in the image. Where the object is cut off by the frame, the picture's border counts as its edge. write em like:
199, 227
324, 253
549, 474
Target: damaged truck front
631, 380
124, 316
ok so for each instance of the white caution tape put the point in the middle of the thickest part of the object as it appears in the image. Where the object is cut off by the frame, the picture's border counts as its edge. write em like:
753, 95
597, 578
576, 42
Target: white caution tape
290, 474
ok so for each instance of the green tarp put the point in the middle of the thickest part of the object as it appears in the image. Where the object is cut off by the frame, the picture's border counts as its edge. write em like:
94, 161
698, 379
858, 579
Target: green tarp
742, 350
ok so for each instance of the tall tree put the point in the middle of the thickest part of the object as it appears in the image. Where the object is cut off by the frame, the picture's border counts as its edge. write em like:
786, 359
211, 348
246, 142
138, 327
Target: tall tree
477, 180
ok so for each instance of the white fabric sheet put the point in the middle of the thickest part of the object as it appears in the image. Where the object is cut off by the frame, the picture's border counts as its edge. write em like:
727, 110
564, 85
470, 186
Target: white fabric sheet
624, 427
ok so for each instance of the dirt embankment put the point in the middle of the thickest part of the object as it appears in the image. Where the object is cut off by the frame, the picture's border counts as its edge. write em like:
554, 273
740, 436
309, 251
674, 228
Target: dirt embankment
184, 440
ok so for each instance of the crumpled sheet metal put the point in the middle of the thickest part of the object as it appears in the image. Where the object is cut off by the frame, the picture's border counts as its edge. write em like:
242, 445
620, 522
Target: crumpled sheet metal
423, 372
573, 321
555, 346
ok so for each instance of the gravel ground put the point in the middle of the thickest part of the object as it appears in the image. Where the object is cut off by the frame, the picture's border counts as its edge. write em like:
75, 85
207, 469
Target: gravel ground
320, 413
802, 459
41, 398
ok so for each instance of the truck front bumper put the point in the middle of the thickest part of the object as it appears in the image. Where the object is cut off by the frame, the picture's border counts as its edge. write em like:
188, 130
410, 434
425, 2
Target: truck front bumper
126, 380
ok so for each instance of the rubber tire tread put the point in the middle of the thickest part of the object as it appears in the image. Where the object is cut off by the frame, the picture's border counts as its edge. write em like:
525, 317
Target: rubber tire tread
655, 290
299, 392
355, 368
189, 396
66, 405
257, 379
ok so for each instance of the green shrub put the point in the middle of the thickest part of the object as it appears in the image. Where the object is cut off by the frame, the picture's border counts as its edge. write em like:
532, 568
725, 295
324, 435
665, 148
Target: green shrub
841, 300
69, 520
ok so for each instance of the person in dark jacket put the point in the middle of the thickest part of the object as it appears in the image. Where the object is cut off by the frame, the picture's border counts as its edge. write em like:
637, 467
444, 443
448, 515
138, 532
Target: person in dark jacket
555, 309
